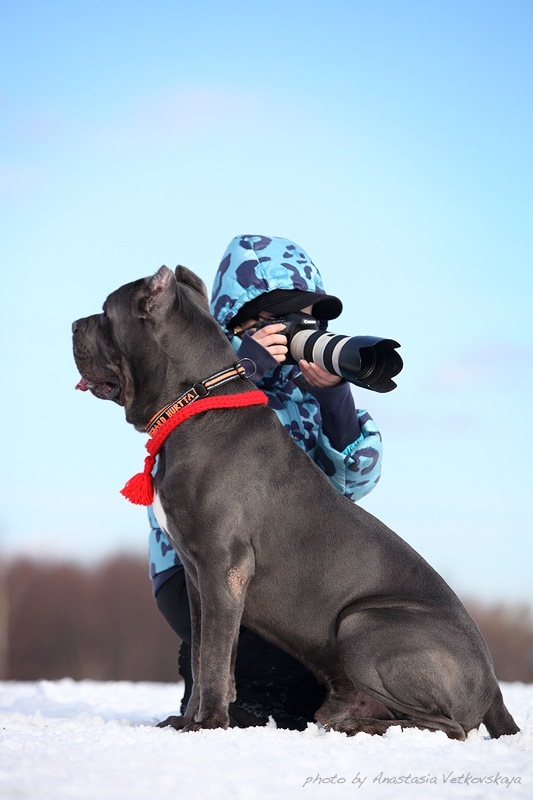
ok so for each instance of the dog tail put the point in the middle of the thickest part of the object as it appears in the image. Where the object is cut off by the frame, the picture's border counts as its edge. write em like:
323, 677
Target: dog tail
498, 720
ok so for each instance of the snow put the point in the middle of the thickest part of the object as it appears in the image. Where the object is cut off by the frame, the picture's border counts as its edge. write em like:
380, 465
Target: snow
87, 739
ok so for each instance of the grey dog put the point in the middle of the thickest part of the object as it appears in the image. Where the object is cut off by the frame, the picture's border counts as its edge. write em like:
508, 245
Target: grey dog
267, 541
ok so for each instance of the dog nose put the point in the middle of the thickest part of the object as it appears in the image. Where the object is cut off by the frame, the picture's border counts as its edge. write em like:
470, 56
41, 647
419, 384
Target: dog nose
75, 326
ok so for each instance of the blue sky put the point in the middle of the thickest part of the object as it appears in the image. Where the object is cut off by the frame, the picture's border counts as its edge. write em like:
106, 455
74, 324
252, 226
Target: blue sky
392, 140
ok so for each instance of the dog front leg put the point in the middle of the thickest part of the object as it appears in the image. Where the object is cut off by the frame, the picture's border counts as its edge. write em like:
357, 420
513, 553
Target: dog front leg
221, 604
182, 722
191, 712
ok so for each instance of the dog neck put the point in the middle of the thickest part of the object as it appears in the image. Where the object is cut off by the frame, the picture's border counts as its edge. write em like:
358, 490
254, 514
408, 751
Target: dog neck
139, 489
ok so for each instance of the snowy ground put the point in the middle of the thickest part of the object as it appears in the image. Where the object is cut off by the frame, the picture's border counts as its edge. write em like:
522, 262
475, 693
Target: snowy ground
97, 741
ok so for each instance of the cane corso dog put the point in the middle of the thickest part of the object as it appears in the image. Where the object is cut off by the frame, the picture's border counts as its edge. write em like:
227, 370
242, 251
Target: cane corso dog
266, 539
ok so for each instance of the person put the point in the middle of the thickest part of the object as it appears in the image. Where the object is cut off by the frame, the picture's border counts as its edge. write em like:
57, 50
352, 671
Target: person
259, 278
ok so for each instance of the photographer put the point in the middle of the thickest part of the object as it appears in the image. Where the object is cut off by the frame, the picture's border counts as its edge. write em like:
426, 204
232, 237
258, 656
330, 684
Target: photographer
260, 278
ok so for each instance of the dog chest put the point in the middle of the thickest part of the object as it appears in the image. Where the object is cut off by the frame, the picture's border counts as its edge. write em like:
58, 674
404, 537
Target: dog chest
159, 513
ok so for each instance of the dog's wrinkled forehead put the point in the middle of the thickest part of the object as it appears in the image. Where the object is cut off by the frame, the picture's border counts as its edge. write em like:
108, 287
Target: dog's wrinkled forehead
121, 302
124, 314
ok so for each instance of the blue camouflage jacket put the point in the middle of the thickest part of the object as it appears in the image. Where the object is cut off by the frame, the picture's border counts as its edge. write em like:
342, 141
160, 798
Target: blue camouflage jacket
253, 265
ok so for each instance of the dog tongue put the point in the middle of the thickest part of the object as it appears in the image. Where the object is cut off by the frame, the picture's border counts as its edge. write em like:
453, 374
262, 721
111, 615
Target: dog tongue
83, 385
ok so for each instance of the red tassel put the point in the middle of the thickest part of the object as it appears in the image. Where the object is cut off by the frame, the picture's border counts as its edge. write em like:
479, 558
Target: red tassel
140, 489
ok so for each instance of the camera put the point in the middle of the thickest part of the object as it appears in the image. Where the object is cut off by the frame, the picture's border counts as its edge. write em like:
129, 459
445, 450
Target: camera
366, 361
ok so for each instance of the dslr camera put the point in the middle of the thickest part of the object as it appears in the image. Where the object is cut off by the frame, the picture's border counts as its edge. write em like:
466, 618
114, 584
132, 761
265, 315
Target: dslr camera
366, 361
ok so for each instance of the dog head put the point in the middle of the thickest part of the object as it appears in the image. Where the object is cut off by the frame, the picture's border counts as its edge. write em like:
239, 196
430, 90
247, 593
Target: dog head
142, 345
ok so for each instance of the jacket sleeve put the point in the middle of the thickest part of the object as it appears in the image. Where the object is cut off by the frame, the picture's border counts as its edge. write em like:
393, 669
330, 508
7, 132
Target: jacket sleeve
247, 347
340, 421
355, 470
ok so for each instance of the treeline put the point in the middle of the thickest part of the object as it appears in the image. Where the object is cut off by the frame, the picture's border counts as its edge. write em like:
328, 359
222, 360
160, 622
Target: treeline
64, 620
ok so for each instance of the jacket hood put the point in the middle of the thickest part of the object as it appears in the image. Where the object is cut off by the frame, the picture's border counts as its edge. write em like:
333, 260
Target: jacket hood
254, 265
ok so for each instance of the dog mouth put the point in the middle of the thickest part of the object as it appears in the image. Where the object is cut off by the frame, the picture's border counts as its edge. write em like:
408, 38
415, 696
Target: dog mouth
104, 390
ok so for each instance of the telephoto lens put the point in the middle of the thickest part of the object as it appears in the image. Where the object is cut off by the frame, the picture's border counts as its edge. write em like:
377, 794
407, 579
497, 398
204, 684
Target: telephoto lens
367, 361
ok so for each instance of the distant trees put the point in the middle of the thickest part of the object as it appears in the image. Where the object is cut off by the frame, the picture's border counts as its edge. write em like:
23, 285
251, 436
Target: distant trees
508, 630
62, 619
4, 622
100, 623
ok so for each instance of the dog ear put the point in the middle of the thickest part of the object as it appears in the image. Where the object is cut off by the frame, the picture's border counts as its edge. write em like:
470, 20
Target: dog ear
189, 278
157, 294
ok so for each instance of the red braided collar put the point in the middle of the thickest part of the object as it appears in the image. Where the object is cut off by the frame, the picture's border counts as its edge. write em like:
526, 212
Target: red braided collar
139, 489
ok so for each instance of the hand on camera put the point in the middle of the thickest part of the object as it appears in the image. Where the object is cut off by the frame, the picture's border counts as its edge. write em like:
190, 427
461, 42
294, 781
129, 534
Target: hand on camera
316, 376
272, 340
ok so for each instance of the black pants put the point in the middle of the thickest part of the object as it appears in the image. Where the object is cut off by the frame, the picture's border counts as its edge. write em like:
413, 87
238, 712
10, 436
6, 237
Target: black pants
260, 665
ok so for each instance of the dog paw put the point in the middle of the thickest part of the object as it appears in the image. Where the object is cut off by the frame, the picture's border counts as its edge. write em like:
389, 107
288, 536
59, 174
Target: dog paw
185, 724
177, 722
354, 725
192, 727
208, 723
